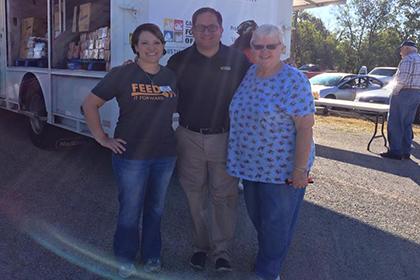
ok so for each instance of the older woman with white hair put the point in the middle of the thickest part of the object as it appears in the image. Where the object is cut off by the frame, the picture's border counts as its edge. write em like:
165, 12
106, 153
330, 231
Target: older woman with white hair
271, 147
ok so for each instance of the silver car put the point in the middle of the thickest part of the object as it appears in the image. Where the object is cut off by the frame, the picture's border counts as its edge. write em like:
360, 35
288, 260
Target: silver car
382, 96
343, 85
384, 74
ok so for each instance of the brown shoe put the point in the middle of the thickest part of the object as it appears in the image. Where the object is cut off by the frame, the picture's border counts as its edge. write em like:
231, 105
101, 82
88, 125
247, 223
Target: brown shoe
391, 155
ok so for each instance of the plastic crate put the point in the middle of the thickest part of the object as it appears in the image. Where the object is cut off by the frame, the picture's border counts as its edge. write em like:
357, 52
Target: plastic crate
32, 62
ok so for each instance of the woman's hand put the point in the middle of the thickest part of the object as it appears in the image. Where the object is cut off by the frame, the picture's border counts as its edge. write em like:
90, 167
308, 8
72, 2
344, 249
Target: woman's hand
114, 144
300, 179
129, 61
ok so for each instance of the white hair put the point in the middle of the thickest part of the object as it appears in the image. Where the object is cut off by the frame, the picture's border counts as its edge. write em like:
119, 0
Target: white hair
268, 30
412, 49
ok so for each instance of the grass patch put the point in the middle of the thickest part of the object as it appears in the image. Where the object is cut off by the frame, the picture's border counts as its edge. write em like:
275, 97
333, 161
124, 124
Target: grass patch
352, 124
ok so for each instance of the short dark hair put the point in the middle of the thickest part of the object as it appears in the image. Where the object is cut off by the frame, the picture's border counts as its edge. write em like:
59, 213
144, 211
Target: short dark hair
243, 42
150, 27
207, 10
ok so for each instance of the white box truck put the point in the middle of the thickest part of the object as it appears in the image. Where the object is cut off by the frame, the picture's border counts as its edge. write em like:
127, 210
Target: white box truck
53, 52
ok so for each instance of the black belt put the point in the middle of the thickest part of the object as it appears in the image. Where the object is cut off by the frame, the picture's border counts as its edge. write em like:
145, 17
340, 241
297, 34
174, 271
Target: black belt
206, 130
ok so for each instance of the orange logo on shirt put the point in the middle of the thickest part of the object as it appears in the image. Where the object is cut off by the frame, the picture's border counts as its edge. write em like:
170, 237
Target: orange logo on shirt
151, 92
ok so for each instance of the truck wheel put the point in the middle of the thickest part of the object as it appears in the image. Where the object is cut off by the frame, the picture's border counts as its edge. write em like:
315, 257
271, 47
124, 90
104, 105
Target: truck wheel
38, 127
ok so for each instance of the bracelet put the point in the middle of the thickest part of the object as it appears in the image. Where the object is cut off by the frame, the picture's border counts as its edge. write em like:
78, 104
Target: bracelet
304, 170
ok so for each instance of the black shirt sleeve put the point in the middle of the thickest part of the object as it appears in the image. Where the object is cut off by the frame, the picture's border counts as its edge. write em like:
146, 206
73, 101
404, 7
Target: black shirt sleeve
245, 64
172, 63
107, 88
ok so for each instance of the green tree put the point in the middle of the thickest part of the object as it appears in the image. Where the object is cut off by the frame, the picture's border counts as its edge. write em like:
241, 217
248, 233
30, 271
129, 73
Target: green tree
362, 22
408, 14
312, 42
368, 33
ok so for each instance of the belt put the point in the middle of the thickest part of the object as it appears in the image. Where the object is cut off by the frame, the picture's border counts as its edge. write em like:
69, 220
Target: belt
206, 130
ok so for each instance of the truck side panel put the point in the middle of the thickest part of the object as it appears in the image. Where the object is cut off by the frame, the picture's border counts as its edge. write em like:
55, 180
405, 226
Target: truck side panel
14, 79
68, 98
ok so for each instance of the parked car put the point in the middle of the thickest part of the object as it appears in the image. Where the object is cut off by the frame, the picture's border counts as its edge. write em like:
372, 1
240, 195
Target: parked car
310, 70
384, 74
382, 96
343, 85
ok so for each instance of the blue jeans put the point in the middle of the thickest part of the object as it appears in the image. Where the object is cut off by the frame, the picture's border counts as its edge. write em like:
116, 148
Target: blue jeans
402, 112
142, 186
273, 209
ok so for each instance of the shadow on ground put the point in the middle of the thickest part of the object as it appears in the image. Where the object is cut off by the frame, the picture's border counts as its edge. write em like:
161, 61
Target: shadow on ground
329, 245
404, 168
73, 192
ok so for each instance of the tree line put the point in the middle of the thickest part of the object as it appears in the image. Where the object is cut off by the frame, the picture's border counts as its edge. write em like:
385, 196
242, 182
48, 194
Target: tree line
367, 32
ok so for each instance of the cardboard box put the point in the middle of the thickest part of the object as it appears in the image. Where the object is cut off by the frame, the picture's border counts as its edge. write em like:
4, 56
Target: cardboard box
76, 51
70, 51
74, 22
107, 43
107, 55
92, 35
102, 32
84, 54
95, 54
73, 52
101, 54
32, 26
83, 37
99, 44
39, 52
93, 15
57, 26
84, 45
84, 17
23, 50
91, 44
33, 47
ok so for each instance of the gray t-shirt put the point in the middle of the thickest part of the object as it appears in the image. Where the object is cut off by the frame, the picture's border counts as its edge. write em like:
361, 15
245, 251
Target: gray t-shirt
146, 104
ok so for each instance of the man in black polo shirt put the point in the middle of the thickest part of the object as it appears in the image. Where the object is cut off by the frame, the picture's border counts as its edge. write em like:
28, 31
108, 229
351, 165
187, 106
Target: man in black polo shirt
208, 74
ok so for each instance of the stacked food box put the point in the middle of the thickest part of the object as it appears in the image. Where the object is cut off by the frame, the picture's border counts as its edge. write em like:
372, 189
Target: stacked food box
33, 41
92, 45
34, 48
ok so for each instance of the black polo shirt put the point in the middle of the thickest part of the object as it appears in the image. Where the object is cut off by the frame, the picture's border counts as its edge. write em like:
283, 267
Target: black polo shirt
206, 85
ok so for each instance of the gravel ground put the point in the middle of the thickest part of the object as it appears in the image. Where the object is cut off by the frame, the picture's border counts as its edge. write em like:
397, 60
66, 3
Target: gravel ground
360, 220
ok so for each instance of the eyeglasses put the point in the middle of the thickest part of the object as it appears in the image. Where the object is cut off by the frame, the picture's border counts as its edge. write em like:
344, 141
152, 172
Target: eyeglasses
268, 47
202, 28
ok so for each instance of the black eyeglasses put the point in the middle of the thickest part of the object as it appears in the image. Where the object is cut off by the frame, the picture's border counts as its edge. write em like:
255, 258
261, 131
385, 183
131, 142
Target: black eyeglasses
202, 28
268, 46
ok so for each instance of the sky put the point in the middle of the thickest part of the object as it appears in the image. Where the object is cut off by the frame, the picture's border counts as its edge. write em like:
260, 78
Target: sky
326, 14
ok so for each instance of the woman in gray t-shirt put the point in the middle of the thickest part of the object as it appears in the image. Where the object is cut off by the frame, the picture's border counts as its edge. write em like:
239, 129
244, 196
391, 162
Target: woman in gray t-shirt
143, 145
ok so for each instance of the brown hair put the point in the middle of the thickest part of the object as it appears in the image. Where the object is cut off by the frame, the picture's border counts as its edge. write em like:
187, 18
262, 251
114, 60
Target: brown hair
150, 27
207, 10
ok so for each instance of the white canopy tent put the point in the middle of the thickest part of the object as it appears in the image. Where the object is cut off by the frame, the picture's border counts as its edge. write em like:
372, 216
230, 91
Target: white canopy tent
306, 4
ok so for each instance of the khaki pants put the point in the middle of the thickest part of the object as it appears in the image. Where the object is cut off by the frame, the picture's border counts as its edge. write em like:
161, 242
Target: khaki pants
212, 194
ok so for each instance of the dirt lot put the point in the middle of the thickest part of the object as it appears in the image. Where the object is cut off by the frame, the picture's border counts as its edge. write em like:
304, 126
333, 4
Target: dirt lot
360, 220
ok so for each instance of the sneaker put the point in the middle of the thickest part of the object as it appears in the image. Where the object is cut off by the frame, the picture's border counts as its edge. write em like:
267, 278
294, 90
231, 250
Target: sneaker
153, 265
391, 155
223, 265
126, 270
198, 260
240, 186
